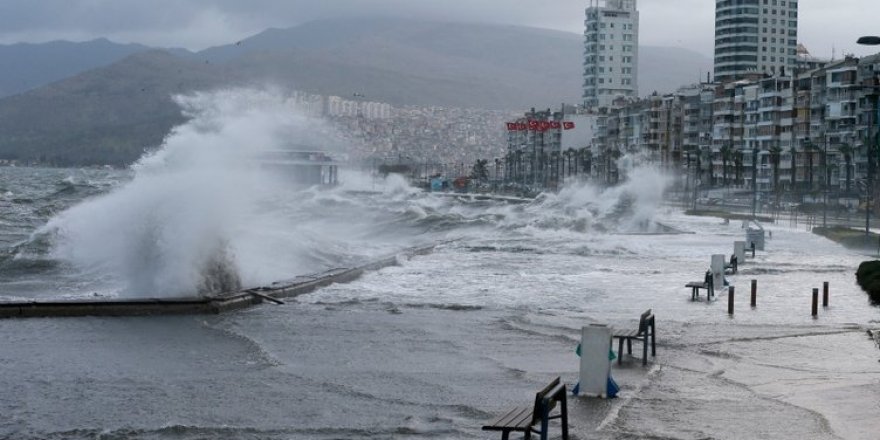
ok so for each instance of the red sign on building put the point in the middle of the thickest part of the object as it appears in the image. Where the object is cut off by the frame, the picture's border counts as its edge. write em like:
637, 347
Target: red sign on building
535, 125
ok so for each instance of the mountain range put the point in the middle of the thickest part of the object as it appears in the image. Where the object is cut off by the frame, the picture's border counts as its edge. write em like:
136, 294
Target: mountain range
110, 105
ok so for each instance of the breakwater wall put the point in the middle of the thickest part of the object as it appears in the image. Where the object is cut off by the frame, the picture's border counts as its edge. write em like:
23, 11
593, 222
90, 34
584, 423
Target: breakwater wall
214, 304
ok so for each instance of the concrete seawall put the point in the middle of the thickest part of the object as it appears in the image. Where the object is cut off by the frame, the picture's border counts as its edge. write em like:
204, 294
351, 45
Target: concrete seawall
206, 304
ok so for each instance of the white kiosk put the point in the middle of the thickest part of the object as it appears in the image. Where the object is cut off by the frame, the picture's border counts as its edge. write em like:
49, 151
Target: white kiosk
595, 363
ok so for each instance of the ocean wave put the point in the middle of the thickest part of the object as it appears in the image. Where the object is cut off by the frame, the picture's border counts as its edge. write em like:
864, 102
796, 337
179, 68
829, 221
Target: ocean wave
445, 306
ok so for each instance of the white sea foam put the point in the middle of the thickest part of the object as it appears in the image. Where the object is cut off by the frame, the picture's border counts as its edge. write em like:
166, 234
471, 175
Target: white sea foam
584, 206
195, 216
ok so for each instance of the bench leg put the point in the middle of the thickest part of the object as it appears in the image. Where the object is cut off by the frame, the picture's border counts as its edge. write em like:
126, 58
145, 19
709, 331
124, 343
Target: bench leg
620, 351
505, 434
653, 340
645, 349
564, 416
629, 346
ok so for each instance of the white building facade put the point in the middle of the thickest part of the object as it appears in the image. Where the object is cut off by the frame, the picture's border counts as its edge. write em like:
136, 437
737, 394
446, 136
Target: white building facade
611, 52
755, 37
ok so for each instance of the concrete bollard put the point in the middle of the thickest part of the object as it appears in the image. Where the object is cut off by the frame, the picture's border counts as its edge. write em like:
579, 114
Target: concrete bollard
815, 302
754, 293
825, 294
730, 301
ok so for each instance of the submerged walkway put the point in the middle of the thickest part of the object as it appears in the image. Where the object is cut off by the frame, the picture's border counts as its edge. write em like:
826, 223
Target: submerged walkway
205, 304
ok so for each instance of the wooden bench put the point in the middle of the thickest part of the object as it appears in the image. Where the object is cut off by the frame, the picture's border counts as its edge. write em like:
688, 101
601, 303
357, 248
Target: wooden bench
646, 329
708, 283
523, 418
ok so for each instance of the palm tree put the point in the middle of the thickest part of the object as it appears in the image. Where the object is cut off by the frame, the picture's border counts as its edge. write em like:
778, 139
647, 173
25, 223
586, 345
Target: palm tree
480, 171
587, 161
725, 158
738, 167
809, 149
775, 157
572, 157
518, 162
847, 151
615, 155
708, 153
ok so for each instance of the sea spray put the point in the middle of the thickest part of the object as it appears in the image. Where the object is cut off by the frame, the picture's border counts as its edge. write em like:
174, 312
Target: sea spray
583, 206
196, 216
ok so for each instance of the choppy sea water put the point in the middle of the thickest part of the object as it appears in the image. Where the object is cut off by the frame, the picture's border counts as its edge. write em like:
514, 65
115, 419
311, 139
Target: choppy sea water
433, 347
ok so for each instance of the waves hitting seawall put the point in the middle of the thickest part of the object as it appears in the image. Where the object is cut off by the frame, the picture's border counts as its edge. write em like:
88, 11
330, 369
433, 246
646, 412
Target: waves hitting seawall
199, 215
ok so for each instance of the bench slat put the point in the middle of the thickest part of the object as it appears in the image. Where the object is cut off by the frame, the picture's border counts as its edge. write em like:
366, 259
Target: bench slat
625, 333
517, 417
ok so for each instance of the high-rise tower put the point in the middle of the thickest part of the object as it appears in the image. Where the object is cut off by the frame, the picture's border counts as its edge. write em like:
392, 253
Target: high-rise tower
611, 52
755, 37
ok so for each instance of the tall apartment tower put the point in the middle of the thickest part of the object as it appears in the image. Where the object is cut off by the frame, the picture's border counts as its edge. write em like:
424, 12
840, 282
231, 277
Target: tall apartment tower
755, 37
611, 52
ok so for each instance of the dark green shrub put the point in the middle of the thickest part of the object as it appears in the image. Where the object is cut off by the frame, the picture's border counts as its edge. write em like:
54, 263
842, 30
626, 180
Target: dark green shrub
868, 277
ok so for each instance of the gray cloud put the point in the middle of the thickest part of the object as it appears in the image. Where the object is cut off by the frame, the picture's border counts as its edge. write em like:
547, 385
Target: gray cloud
196, 24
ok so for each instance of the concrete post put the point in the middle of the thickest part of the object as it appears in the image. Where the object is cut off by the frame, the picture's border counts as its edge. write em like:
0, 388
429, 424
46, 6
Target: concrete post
739, 249
815, 302
730, 301
718, 270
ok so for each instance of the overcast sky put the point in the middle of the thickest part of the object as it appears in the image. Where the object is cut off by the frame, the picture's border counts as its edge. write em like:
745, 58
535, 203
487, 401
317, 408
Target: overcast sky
197, 24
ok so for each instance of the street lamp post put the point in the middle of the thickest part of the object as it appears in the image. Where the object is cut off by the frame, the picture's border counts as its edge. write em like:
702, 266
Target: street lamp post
872, 140
825, 185
754, 180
